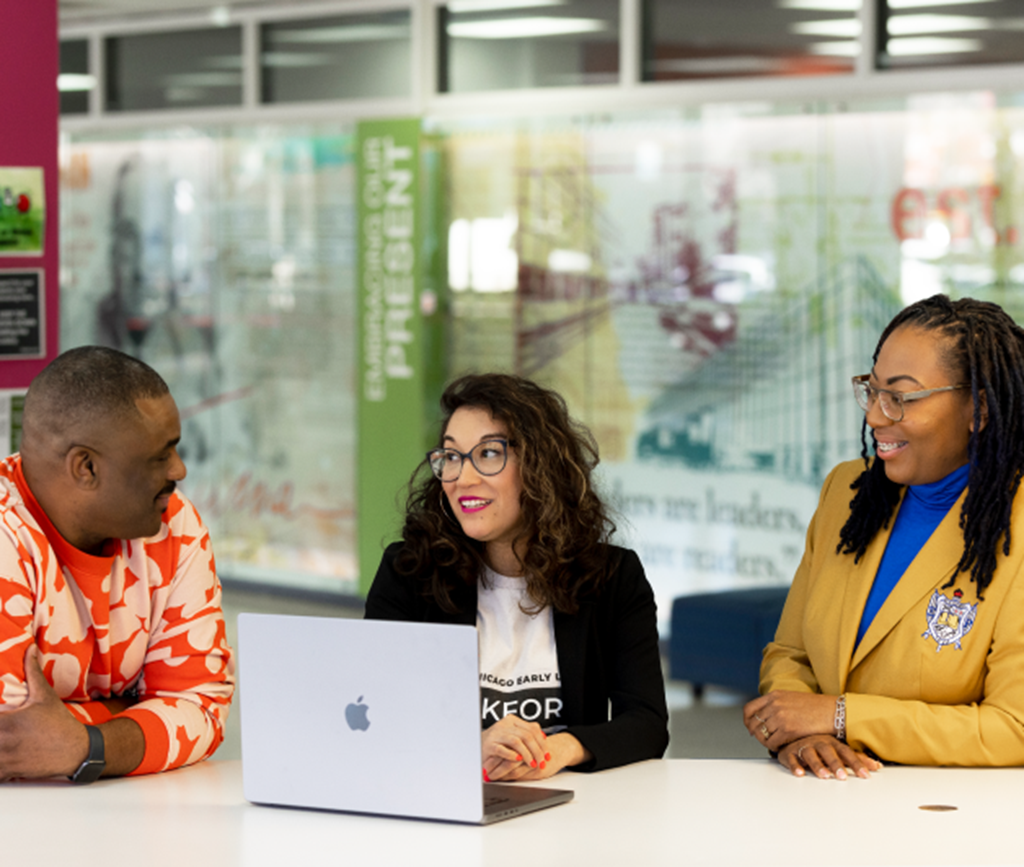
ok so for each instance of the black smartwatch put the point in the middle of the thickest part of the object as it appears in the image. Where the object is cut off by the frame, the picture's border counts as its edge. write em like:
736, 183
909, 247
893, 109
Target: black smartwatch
89, 771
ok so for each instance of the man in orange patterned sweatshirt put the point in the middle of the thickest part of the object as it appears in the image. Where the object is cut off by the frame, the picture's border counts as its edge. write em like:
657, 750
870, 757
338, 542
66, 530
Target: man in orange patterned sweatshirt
113, 655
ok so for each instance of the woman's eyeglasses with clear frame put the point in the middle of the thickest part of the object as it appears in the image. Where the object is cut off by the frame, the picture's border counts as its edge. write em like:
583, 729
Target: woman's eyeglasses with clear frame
892, 403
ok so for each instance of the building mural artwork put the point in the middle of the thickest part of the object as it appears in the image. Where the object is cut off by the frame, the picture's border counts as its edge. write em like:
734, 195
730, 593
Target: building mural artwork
226, 261
700, 285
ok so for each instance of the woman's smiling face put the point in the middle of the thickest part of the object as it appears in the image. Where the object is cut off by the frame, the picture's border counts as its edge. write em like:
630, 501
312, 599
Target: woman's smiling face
487, 507
931, 439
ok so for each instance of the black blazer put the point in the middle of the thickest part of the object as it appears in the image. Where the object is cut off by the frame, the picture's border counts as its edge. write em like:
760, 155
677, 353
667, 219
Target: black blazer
607, 652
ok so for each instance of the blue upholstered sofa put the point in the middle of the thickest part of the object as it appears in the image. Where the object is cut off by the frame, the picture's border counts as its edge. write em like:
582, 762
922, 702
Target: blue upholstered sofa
717, 638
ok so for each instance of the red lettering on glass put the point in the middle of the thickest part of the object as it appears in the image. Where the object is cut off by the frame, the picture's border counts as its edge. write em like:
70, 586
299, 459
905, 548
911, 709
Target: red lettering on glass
908, 212
953, 204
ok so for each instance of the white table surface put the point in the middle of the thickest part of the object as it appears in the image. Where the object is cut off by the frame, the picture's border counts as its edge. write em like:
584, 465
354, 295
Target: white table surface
735, 812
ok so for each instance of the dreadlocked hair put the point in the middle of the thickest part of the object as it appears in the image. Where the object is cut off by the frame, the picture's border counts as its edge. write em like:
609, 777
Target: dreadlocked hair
984, 347
564, 526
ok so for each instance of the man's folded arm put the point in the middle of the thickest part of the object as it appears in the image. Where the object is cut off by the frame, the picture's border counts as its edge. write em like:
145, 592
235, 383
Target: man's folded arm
187, 681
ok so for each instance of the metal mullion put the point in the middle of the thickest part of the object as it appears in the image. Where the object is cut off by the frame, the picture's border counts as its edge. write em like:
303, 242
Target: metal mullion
630, 50
424, 53
98, 70
136, 26
866, 83
252, 72
868, 15
342, 110
279, 14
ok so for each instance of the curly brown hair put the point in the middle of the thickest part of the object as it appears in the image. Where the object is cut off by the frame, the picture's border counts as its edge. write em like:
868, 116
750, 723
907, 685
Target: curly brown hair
566, 526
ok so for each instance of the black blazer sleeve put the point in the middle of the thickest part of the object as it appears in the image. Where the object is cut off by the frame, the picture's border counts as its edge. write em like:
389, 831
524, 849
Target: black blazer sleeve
391, 596
609, 652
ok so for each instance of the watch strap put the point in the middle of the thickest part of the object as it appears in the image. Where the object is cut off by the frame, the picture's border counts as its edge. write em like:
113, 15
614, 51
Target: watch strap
89, 771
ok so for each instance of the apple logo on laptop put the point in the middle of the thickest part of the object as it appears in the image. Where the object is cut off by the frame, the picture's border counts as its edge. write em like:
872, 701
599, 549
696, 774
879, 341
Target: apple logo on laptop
355, 715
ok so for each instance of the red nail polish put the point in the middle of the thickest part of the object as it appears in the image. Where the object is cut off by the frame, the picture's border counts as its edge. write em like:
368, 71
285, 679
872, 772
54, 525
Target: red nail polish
533, 763
486, 778
547, 756
519, 758
545, 734
542, 764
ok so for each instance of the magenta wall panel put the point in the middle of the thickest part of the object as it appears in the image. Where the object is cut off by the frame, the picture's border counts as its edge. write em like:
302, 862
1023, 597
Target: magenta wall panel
29, 117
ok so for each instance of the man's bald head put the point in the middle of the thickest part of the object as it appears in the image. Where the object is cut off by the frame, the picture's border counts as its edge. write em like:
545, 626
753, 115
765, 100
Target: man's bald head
81, 389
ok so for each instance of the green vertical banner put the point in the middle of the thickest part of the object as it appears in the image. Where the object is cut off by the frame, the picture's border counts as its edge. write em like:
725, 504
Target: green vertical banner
392, 362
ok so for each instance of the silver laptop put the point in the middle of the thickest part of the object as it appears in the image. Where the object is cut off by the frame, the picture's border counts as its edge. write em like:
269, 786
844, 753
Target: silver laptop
368, 716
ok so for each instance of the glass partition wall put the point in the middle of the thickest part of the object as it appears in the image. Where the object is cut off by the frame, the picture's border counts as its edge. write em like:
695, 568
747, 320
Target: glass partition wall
341, 57
224, 258
183, 69
699, 270
707, 39
500, 46
913, 34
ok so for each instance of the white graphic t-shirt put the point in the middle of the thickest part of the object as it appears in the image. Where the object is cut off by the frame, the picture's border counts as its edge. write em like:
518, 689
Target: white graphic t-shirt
518, 657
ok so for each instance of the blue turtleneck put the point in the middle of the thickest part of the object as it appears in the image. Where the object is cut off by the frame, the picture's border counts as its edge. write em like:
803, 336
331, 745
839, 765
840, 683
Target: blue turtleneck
922, 510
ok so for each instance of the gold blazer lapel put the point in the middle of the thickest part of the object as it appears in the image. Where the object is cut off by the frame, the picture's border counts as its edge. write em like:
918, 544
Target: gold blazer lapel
858, 585
932, 566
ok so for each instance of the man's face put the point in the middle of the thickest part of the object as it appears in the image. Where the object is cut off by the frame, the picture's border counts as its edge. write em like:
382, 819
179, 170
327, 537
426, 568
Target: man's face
139, 467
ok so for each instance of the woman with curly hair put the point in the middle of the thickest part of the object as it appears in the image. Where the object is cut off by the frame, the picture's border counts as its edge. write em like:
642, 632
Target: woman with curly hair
902, 638
504, 530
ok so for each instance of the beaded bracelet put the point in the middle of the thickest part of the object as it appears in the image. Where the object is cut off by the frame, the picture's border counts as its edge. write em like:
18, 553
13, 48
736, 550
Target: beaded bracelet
840, 720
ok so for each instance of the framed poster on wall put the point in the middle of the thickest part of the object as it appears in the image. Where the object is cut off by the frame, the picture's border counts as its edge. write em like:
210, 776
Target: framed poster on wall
22, 212
22, 313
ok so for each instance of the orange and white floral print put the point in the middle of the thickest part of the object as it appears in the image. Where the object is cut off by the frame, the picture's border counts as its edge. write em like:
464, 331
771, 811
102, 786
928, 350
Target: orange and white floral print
146, 616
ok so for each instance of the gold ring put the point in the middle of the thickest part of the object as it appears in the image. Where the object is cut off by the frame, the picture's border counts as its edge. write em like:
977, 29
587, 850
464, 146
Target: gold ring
758, 718
799, 751
764, 731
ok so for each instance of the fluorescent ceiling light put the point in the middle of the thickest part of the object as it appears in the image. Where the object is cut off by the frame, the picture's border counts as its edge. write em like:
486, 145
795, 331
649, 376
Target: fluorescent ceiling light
914, 25
223, 61
295, 59
183, 94
71, 82
844, 27
931, 45
524, 28
821, 5
494, 5
917, 4
202, 79
720, 65
838, 48
341, 33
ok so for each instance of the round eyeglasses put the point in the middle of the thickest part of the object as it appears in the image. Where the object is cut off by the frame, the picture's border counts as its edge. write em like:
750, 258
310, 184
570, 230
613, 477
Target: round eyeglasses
489, 458
892, 403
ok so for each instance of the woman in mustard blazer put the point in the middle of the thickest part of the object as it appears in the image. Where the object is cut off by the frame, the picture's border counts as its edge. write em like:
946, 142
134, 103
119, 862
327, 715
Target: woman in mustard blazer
902, 638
